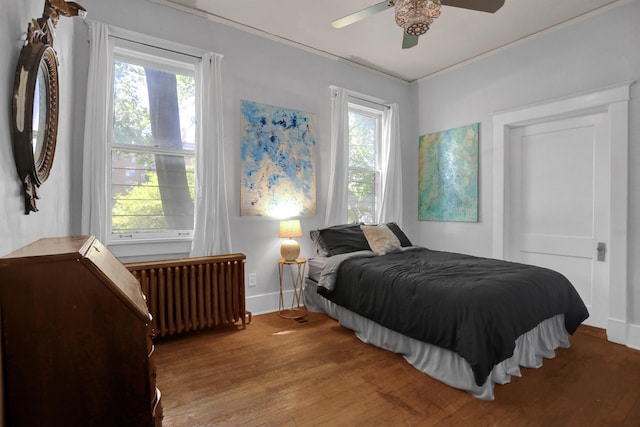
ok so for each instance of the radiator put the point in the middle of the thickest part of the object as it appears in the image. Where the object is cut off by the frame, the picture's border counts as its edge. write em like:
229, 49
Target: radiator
193, 294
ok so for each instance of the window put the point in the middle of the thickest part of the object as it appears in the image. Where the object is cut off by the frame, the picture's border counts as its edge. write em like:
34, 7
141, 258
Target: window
152, 146
364, 175
366, 163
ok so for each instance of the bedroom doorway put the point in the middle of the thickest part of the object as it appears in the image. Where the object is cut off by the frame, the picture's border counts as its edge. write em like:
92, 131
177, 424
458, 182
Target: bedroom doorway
559, 209
606, 109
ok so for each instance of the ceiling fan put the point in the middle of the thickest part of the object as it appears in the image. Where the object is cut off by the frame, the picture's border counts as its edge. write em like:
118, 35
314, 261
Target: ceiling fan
415, 16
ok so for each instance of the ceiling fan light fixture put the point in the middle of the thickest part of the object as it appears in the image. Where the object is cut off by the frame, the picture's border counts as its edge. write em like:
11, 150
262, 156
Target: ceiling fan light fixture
415, 16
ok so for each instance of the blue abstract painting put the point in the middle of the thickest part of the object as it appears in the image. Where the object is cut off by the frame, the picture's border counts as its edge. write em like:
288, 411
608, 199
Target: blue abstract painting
278, 162
448, 175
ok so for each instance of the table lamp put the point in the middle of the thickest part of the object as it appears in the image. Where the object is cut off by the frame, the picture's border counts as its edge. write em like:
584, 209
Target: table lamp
290, 249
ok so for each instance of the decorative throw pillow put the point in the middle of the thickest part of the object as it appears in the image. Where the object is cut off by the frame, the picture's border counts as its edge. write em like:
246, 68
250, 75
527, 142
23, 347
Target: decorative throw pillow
381, 239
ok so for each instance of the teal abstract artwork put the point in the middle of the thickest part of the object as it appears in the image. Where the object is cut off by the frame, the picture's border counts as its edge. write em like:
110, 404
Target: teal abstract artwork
278, 161
448, 175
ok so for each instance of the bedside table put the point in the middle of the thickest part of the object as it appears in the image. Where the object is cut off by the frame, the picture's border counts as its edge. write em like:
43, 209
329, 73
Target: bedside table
296, 269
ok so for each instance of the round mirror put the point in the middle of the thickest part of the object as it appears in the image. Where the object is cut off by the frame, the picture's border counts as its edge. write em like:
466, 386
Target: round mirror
35, 114
39, 113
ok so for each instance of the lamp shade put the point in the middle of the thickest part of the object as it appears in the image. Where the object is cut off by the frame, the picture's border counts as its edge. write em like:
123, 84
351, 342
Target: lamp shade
290, 249
290, 228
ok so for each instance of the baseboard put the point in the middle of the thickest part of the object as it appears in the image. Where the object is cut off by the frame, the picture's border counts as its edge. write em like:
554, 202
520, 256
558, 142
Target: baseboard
633, 339
268, 303
623, 333
617, 331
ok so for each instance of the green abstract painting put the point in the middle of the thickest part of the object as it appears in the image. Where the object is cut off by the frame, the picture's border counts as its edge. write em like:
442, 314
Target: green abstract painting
448, 175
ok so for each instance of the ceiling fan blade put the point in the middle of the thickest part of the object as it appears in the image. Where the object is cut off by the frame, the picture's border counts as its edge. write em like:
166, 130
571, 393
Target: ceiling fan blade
491, 6
364, 13
409, 41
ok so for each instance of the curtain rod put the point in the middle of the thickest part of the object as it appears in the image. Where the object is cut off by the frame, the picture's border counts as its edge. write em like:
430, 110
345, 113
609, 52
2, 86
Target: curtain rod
156, 47
154, 42
361, 97
370, 101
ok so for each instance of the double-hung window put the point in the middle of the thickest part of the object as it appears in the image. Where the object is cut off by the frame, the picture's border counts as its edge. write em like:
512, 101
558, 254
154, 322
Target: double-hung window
364, 171
152, 144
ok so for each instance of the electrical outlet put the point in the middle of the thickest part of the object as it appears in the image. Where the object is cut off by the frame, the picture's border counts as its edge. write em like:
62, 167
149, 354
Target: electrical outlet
253, 281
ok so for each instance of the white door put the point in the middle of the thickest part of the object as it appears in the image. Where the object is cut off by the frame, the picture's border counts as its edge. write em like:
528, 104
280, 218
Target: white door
559, 208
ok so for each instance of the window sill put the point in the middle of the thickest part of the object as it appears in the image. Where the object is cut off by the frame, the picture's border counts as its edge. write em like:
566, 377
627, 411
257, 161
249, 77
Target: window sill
147, 249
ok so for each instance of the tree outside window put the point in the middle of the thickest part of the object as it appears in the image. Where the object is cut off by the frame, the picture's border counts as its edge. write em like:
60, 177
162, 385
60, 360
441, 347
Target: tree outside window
152, 150
364, 173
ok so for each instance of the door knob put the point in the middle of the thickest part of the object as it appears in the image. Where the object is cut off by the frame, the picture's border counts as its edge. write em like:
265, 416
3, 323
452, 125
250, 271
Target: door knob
602, 251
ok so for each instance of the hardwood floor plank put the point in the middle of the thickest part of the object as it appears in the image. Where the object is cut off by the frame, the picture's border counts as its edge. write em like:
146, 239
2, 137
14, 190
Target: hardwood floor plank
279, 372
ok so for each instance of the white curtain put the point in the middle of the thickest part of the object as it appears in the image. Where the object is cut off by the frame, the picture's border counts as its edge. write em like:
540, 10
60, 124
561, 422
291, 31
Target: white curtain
211, 234
391, 159
95, 156
337, 195
391, 206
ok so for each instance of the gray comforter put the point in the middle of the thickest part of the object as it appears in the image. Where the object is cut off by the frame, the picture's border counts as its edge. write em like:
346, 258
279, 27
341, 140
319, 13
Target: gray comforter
476, 307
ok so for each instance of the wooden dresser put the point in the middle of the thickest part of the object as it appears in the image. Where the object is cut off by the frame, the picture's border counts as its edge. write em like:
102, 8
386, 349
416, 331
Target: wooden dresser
76, 344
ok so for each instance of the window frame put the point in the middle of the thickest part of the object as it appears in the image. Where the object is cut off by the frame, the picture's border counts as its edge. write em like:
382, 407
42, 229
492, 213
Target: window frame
165, 59
375, 111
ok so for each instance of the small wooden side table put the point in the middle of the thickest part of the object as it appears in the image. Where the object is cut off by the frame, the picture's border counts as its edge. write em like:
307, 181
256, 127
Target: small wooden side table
297, 309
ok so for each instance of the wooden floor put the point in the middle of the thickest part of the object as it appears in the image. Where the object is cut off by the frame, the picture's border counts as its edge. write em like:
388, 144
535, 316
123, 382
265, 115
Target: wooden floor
280, 372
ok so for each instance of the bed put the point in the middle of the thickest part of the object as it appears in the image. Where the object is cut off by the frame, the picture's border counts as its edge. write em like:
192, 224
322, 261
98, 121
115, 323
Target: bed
467, 321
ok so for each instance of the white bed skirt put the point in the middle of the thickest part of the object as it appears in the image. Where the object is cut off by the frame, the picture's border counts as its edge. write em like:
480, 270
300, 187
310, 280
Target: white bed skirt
445, 365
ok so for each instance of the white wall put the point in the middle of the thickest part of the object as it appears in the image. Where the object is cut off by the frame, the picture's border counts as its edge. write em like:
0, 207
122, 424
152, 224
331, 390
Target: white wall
253, 68
587, 55
257, 69
16, 228
594, 53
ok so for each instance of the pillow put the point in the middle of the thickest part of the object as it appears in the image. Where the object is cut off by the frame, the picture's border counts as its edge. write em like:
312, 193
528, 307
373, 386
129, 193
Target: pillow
404, 240
321, 247
381, 239
344, 238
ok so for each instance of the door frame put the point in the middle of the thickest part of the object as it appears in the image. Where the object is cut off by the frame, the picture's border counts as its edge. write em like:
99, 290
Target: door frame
614, 101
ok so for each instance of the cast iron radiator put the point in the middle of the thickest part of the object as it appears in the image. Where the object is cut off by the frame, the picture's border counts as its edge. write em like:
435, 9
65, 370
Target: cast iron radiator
192, 294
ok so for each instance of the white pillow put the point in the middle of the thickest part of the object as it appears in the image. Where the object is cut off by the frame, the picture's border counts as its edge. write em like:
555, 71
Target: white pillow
380, 238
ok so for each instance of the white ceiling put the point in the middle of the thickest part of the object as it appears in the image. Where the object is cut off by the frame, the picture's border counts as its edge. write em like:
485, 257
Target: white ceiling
456, 36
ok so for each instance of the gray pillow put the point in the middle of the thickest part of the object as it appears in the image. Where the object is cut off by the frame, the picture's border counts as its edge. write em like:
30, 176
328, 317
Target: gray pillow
321, 248
404, 240
344, 238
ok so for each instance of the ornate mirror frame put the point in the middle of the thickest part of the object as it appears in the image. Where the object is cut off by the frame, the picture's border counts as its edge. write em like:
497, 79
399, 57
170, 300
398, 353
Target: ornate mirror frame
35, 101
